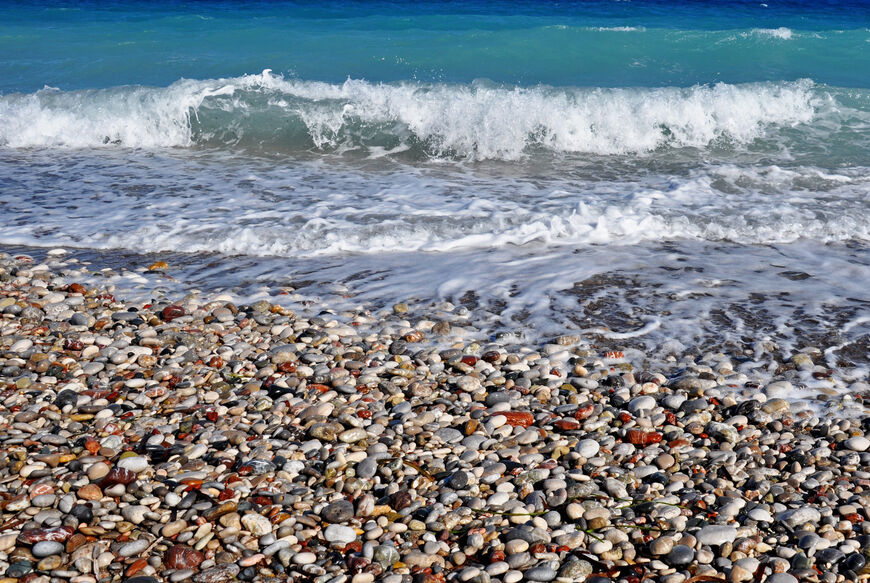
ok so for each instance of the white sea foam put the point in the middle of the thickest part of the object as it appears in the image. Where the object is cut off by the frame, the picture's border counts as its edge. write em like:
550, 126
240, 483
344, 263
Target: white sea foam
311, 210
781, 33
132, 117
475, 121
620, 29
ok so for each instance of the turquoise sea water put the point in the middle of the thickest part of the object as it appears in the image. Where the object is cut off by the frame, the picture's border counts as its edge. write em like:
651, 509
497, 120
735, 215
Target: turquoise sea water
696, 171
605, 43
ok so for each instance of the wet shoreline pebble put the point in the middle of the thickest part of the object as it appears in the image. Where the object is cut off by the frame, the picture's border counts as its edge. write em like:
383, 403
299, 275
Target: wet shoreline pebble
208, 441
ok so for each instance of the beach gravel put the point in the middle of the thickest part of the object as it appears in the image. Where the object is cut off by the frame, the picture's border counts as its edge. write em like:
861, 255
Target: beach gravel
213, 441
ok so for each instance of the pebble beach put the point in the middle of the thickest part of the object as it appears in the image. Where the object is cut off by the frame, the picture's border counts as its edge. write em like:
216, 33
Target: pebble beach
479, 291
213, 441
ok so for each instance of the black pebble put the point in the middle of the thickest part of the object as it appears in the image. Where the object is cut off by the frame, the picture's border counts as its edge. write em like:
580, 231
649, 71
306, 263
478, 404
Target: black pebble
83, 513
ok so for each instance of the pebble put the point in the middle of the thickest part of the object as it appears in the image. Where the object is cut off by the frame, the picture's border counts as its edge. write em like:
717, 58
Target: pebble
47, 548
641, 404
134, 464
540, 574
339, 511
257, 524
716, 535
304, 558
681, 555
588, 448
218, 574
799, 516
207, 440
858, 443
338, 534
182, 557
134, 548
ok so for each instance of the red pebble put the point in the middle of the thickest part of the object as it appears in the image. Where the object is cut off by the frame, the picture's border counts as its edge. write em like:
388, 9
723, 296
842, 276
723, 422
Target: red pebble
137, 566
566, 424
170, 313
287, 367
117, 476
583, 412
182, 557
194, 482
354, 546
92, 445
73, 344
57, 534
518, 418
469, 360
39, 490
356, 563
643, 438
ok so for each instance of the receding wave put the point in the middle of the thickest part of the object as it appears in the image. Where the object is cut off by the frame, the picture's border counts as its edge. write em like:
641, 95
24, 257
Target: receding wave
475, 121
160, 205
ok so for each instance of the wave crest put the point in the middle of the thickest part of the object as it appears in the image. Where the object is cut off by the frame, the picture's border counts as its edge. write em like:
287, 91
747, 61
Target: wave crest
474, 121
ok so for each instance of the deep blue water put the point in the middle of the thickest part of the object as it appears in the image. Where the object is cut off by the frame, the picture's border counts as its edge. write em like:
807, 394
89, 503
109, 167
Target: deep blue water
75, 45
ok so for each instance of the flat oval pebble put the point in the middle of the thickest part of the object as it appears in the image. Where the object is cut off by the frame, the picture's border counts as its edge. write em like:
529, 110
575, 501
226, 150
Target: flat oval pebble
335, 533
760, 515
133, 548
799, 516
182, 557
588, 448
339, 511
539, 573
859, 443
639, 404
716, 535
352, 435
304, 558
682, 555
47, 548
449, 435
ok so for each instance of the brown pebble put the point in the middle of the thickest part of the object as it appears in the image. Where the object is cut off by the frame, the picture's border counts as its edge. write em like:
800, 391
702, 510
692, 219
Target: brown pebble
90, 492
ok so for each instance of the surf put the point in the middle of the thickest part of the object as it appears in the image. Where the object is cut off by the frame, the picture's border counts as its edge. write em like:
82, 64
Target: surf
474, 121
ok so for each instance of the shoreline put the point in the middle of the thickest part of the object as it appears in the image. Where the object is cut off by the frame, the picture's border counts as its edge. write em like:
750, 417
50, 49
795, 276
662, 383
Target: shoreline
208, 440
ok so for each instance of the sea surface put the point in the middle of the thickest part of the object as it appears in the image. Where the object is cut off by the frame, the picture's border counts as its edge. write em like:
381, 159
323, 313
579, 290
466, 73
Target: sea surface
673, 176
